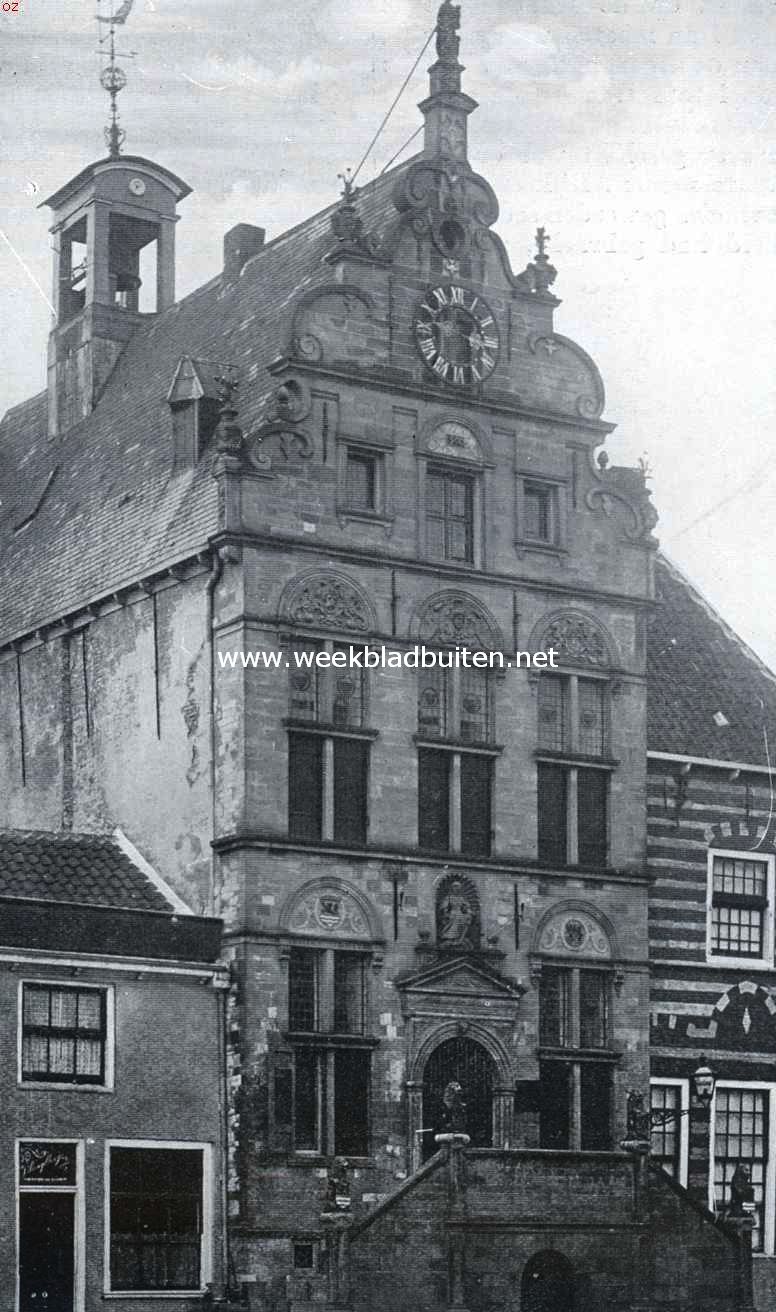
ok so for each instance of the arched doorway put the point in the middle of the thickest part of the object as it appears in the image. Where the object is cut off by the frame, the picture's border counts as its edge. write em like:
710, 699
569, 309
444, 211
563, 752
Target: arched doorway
471, 1065
548, 1284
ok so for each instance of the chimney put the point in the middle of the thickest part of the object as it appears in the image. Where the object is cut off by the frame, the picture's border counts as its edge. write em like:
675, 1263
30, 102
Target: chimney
241, 243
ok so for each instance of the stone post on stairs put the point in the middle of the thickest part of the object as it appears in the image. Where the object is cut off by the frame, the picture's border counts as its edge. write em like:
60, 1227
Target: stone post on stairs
740, 1218
455, 1140
336, 1220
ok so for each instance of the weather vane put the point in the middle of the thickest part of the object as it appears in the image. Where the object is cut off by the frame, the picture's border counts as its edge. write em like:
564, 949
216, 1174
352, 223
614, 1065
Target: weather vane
113, 78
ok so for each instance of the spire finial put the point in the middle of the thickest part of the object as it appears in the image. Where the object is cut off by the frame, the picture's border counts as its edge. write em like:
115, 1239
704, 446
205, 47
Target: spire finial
448, 42
113, 79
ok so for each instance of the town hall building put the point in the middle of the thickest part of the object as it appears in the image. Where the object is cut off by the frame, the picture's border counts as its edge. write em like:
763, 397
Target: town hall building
433, 883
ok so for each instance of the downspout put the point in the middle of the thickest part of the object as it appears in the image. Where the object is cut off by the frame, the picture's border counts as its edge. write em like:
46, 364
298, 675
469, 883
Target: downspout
214, 578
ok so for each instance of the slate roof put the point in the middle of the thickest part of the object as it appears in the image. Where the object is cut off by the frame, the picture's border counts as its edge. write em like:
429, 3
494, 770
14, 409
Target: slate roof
698, 667
100, 507
90, 869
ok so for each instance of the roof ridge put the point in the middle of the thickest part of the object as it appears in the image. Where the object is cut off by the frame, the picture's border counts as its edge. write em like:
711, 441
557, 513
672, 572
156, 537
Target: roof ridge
715, 616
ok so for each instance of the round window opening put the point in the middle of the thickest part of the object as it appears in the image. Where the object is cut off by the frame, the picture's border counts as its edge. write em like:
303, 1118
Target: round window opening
452, 236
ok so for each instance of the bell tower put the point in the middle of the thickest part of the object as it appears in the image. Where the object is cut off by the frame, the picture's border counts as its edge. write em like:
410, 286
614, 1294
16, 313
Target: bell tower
114, 261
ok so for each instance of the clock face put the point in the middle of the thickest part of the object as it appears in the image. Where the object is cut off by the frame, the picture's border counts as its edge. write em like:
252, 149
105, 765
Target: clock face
457, 335
137, 186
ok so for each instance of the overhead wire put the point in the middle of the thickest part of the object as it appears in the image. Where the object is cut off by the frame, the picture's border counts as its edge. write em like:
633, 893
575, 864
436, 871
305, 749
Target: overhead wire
398, 97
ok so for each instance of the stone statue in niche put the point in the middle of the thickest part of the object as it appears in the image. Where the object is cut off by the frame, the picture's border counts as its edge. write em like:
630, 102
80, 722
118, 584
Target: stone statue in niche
456, 917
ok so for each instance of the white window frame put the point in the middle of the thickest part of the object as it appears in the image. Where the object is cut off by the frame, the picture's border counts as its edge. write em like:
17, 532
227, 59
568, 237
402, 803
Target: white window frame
72, 1086
766, 961
79, 1236
769, 1185
683, 1121
206, 1247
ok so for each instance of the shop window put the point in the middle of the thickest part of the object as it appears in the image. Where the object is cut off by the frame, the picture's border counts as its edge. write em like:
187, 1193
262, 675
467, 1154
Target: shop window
157, 1219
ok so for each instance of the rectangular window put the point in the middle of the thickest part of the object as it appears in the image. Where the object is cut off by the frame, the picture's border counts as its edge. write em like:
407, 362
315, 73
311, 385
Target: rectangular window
434, 799
328, 770
554, 1008
740, 895
572, 815
303, 990
669, 1141
538, 514
305, 785
351, 1107
476, 777
350, 765
573, 715
555, 1106
64, 1034
348, 993
450, 515
360, 480
553, 714
156, 1219
595, 1106
741, 1134
309, 1100
593, 1009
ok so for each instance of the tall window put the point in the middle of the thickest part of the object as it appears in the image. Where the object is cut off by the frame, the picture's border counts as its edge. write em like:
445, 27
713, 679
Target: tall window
575, 1076
742, 1121
740, 907
362, 470
572, 793
157, 1227
450, 515
331, 1052
64, 1034
670, 1140
455, 760
328, 747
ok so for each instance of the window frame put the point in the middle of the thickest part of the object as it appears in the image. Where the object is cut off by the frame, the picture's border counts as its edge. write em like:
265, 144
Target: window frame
570, 760
556, 541
324, 1042
107, 1083
474, 471
769, 1182
206, 1241
322, 726
572, 1055
452, 691
729, 961
382, 455
682, 1122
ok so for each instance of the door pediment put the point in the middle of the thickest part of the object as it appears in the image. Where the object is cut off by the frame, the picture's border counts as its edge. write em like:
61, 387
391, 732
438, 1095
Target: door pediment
462, 980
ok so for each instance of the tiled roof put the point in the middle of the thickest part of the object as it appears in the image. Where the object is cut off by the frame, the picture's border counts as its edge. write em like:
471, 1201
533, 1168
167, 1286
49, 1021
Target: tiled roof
698, 668
90, 869
90, 512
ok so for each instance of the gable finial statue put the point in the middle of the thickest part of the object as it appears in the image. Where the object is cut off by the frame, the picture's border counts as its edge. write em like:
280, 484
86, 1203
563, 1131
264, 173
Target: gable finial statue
448, 42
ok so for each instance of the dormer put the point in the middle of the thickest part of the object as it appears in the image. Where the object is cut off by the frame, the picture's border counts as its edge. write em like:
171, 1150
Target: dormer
114, 263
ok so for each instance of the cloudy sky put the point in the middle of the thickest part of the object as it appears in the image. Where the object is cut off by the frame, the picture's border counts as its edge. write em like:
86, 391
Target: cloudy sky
642, 133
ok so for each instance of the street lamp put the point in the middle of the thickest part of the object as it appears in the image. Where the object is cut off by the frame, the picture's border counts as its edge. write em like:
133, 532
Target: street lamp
642, 1121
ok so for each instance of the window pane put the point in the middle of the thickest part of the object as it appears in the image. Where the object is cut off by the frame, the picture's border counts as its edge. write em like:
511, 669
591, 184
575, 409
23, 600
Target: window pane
347, 693
434, 800
432, 702
554, 998
305, 785
666, 1138
303, 702
537, 511
744, 878
361, 481
555, 1104
459, 519
596, 1107
351, 763
476, 774
348, 993
592, 790
553, 713
156, 1219
737, 931
552, 800
591, 717
475, 706
741, 1135
593, 1009
63, 1034
309, 1099
303, 989
351, 1103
